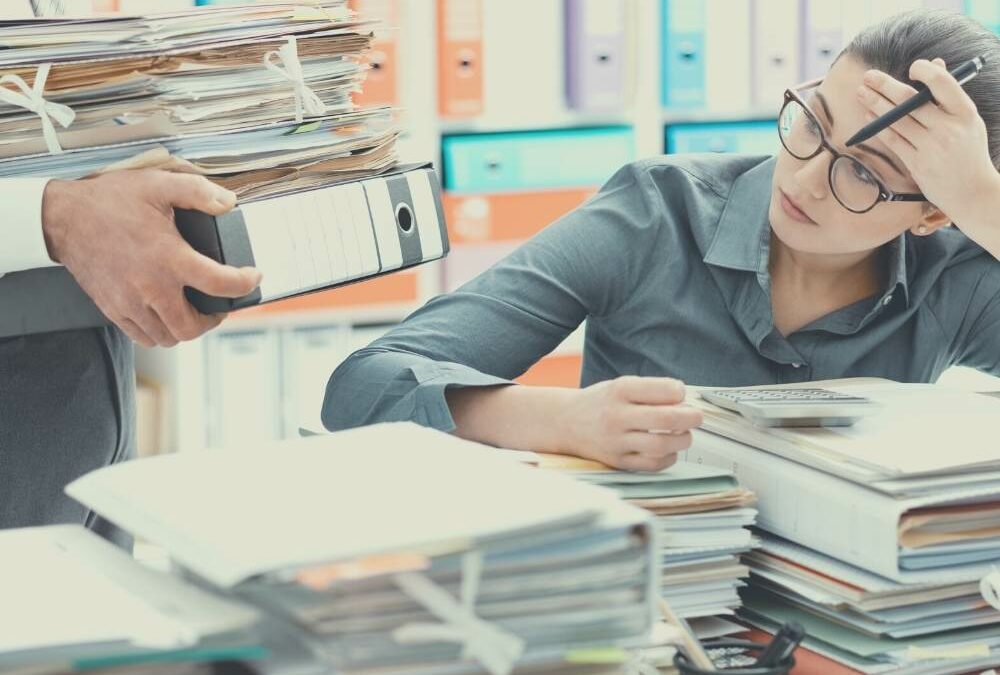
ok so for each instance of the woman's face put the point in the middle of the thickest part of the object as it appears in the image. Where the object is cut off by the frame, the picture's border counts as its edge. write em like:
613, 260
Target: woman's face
804, 214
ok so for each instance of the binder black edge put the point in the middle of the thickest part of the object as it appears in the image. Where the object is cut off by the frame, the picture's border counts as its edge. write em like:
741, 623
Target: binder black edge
225, 239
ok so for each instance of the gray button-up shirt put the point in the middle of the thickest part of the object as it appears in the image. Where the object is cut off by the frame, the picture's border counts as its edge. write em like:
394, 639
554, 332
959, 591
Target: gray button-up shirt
668, 264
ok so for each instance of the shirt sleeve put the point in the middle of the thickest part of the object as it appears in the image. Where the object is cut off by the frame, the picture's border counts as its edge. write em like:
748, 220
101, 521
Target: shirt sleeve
979, 331
22, 244
492, 329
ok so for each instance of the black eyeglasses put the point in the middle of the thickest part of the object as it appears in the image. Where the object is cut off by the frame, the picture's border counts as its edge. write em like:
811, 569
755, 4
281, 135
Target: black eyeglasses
857, 188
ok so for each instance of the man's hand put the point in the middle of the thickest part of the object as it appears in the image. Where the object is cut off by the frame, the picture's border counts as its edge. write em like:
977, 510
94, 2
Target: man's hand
115, 234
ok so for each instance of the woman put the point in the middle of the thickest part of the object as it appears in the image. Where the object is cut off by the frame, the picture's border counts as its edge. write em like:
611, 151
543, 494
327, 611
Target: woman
822, 262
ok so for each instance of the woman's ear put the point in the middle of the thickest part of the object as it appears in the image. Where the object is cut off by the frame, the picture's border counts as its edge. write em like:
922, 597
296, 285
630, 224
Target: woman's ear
932, 220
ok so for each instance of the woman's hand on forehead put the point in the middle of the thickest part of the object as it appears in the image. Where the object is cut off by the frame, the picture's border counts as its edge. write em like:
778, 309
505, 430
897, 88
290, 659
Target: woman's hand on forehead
943, 144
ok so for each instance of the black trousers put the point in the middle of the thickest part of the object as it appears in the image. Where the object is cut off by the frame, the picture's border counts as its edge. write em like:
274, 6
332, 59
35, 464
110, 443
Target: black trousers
67, 407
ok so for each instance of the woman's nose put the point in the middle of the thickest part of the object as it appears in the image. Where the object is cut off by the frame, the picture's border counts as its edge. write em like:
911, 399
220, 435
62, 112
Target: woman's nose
813, 175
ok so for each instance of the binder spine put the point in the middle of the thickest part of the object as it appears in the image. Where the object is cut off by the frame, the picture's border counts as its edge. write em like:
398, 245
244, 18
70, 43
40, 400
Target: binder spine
225, 240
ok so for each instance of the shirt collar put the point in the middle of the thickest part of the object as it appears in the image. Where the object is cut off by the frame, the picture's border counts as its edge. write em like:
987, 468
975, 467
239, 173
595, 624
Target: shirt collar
743, 234
742, 238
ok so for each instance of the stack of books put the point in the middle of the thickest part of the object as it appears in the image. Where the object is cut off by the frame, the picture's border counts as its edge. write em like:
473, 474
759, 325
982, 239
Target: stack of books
395, 548
879, 538
702, 517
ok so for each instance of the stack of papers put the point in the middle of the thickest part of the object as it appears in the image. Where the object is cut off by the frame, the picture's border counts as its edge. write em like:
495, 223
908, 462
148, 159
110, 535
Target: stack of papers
400, 549
73, 601
255, 97
702, 517
879, 538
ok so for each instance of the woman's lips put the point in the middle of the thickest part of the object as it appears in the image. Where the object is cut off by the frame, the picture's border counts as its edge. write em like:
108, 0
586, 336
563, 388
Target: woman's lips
794, 212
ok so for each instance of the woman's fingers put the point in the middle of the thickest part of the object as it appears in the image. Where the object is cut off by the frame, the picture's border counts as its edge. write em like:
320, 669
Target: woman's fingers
893, 92
661, 418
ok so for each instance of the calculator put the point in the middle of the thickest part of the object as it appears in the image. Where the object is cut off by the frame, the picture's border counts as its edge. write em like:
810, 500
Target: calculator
793, 407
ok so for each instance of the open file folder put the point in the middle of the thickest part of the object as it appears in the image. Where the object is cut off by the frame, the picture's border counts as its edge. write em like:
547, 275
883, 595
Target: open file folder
73, 601
302, 242
395, 548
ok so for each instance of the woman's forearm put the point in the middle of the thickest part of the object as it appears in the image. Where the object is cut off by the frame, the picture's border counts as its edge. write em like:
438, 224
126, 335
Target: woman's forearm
513, 416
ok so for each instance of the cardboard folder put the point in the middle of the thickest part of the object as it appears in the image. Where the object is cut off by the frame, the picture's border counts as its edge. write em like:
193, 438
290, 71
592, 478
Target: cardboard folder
303, 242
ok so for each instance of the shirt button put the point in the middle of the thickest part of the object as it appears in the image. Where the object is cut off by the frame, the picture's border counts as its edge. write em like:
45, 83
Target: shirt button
886, 300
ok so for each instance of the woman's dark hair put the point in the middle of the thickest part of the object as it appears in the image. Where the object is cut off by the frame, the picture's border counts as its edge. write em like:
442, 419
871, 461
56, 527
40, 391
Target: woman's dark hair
894, 44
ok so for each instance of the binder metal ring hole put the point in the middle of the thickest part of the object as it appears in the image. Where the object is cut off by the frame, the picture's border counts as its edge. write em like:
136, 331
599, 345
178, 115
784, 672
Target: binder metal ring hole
404, 217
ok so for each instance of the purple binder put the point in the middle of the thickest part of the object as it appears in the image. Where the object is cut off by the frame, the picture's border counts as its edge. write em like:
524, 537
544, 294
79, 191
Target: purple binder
595, 55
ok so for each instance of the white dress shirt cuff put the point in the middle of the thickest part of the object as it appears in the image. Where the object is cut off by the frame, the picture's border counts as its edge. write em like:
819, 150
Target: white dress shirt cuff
22, 244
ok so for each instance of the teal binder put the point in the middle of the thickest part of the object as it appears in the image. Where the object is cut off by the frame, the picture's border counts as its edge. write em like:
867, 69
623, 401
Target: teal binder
535, 160
683, 54
751, 137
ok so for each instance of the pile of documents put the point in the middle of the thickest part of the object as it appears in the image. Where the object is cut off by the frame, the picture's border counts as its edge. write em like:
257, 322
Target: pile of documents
879, 538
400, 549
254, 96
702, 517
73, 601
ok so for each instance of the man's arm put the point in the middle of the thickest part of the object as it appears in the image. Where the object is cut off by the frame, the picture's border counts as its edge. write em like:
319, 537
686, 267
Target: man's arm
115, 234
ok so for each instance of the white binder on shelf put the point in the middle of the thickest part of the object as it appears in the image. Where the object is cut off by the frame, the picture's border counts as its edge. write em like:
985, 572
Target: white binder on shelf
309, 354
775, 30
303, 241
243, 388
727, 56
822, 37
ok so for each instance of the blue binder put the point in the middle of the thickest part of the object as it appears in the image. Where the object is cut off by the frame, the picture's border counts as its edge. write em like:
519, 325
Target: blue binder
753, 137
683, 53
535, 160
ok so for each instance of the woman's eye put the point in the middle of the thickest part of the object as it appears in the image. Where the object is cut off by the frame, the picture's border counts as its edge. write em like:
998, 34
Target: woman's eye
862, 174
812, 127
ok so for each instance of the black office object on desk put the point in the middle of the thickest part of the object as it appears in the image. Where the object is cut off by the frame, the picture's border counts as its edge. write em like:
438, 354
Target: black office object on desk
775, 658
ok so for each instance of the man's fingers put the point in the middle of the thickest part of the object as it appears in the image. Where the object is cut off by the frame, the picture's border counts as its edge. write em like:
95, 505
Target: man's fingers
208, 276
649, 390
188, 191
134, 333
185, 322
152, 325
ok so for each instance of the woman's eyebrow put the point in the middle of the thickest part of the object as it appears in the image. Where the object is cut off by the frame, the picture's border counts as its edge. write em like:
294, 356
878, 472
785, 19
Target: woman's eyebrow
861, 146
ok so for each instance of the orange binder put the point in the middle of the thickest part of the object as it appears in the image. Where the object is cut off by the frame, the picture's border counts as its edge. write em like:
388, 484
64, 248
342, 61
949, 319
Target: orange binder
505, 217
460, 58
393, 289
381, 86
555, 370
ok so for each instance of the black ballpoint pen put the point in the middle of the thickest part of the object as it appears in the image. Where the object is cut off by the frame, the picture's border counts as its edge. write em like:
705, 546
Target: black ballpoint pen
962, 73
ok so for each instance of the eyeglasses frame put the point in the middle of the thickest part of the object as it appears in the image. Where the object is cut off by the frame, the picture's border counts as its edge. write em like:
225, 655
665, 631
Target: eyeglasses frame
885, 194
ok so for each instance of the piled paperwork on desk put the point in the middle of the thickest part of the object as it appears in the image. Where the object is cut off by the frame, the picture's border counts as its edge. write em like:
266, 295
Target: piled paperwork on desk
702, 517
70, 600
255, 97
882, 538
400, 549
